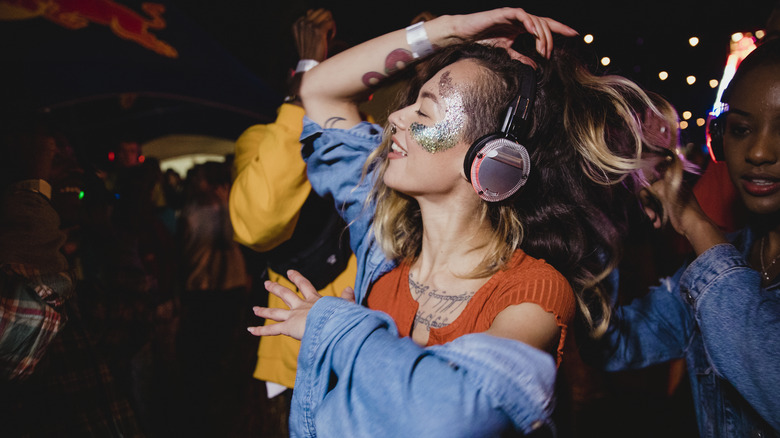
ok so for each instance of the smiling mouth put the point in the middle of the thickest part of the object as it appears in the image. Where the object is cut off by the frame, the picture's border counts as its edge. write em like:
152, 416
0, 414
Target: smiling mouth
760, 186
395, 148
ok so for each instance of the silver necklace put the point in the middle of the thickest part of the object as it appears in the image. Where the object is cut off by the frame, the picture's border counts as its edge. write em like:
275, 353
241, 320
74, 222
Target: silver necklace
765, 268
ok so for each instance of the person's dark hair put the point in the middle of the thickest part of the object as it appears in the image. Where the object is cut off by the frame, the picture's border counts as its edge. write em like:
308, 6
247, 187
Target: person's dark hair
767, 53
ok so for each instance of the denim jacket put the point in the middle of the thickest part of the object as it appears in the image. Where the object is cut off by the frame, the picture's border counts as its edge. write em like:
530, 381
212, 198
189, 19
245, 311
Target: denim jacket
715, 314
356, 377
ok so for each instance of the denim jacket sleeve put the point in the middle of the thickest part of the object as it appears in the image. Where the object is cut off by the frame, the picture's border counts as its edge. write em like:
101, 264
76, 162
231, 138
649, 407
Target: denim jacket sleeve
740, 325
334, 160
652, 329
356, 377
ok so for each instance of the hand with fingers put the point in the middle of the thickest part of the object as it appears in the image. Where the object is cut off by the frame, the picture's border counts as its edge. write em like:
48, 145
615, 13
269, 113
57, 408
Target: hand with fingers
312, 33
500, 27
291, 321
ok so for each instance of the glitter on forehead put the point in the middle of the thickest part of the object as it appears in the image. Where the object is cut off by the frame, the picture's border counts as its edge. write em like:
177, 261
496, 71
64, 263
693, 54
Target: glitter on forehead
446, 133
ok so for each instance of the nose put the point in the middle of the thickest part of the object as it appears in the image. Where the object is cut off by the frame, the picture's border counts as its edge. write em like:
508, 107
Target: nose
399, 117
764, 150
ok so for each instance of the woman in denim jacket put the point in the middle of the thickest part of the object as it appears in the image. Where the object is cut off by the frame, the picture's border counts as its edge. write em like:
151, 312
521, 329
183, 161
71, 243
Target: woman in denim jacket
414, 206
721, 312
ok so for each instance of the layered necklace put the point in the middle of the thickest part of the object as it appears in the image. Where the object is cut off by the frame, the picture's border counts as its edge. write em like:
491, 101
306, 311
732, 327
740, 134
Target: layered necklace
765, 269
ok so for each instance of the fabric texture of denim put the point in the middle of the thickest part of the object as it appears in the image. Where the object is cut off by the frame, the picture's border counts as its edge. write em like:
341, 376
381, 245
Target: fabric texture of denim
714, 313
356, 377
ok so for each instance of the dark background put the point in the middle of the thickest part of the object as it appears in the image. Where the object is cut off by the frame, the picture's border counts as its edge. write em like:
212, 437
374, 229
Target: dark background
235, 57
641, 37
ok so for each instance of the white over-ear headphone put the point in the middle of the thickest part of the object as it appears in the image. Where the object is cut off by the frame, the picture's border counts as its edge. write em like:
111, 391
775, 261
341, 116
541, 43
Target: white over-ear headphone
497, 164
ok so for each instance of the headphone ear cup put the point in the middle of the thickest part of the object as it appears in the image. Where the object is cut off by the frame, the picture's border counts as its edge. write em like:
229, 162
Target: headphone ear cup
497, 167
716, 128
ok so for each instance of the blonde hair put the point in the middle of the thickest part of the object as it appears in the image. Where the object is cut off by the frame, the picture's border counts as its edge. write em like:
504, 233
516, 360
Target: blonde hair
586, 143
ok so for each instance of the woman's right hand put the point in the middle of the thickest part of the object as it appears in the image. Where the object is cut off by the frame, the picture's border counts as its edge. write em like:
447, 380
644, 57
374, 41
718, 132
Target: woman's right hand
683, 211
500, 27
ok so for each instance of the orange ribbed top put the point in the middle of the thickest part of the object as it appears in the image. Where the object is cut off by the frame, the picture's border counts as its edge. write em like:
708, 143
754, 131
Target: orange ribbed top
524, 280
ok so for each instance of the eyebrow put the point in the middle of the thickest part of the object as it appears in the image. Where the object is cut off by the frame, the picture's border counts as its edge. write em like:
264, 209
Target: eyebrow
738, 112
429, 95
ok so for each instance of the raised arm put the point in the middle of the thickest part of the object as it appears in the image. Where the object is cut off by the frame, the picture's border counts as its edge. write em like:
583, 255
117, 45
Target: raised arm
332, 90
270, 185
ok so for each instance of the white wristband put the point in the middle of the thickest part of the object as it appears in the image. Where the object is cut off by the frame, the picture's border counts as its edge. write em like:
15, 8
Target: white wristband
305, 65
418, 40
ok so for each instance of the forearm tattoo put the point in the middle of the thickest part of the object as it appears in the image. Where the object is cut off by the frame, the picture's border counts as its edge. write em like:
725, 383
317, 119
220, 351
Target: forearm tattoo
397, 60
437, 308
332, 121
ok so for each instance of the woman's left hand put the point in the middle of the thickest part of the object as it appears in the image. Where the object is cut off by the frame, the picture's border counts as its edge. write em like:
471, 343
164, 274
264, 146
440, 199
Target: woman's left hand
292, 321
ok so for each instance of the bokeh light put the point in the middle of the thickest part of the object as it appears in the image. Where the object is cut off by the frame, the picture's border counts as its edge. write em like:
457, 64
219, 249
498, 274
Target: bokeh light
686, 115
588, 38
690, 80
605, 61
663, 75
693, 41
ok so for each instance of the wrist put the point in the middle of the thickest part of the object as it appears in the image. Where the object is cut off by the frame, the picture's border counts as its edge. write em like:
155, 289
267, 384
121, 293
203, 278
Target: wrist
305, 65
417, 38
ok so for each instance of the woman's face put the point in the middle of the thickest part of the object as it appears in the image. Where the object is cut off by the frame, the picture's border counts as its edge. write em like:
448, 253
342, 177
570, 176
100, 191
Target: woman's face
426, 157
752, 139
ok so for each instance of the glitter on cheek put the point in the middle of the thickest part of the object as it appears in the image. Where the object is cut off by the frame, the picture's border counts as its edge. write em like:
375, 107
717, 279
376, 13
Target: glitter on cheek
433, 138
446, 133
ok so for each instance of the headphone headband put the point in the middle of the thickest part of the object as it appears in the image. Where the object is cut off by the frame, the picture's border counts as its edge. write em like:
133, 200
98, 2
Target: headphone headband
514, 124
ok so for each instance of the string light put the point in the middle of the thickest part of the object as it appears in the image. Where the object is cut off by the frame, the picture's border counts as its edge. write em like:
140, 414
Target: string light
683, 124
700, 122
691, 80
737, 36
588, 38
663, 75
686, 115
693, 41
605, 61
714, 83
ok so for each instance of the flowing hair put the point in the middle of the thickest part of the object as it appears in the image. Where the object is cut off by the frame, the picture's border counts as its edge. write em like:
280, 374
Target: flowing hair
586, 143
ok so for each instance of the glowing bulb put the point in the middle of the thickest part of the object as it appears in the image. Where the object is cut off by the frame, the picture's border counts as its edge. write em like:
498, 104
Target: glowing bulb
714, 83
760, 34
693, 41
700, 122
737, 36
691, 80
683, 124
663, 75
686, 115
588, 38
605, 61
81, 194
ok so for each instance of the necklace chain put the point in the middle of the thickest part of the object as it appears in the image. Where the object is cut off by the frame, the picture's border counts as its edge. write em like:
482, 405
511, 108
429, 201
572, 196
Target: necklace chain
764, 269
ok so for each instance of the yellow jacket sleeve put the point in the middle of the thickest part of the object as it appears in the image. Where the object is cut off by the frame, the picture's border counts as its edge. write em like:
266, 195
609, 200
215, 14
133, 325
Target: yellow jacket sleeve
270, 186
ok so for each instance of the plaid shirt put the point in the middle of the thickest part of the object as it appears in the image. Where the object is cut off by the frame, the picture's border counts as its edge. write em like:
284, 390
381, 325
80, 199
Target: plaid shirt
30, 317
34, 277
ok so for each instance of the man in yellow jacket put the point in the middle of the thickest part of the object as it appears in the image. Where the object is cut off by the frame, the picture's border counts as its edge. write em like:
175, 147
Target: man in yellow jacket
274, 210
